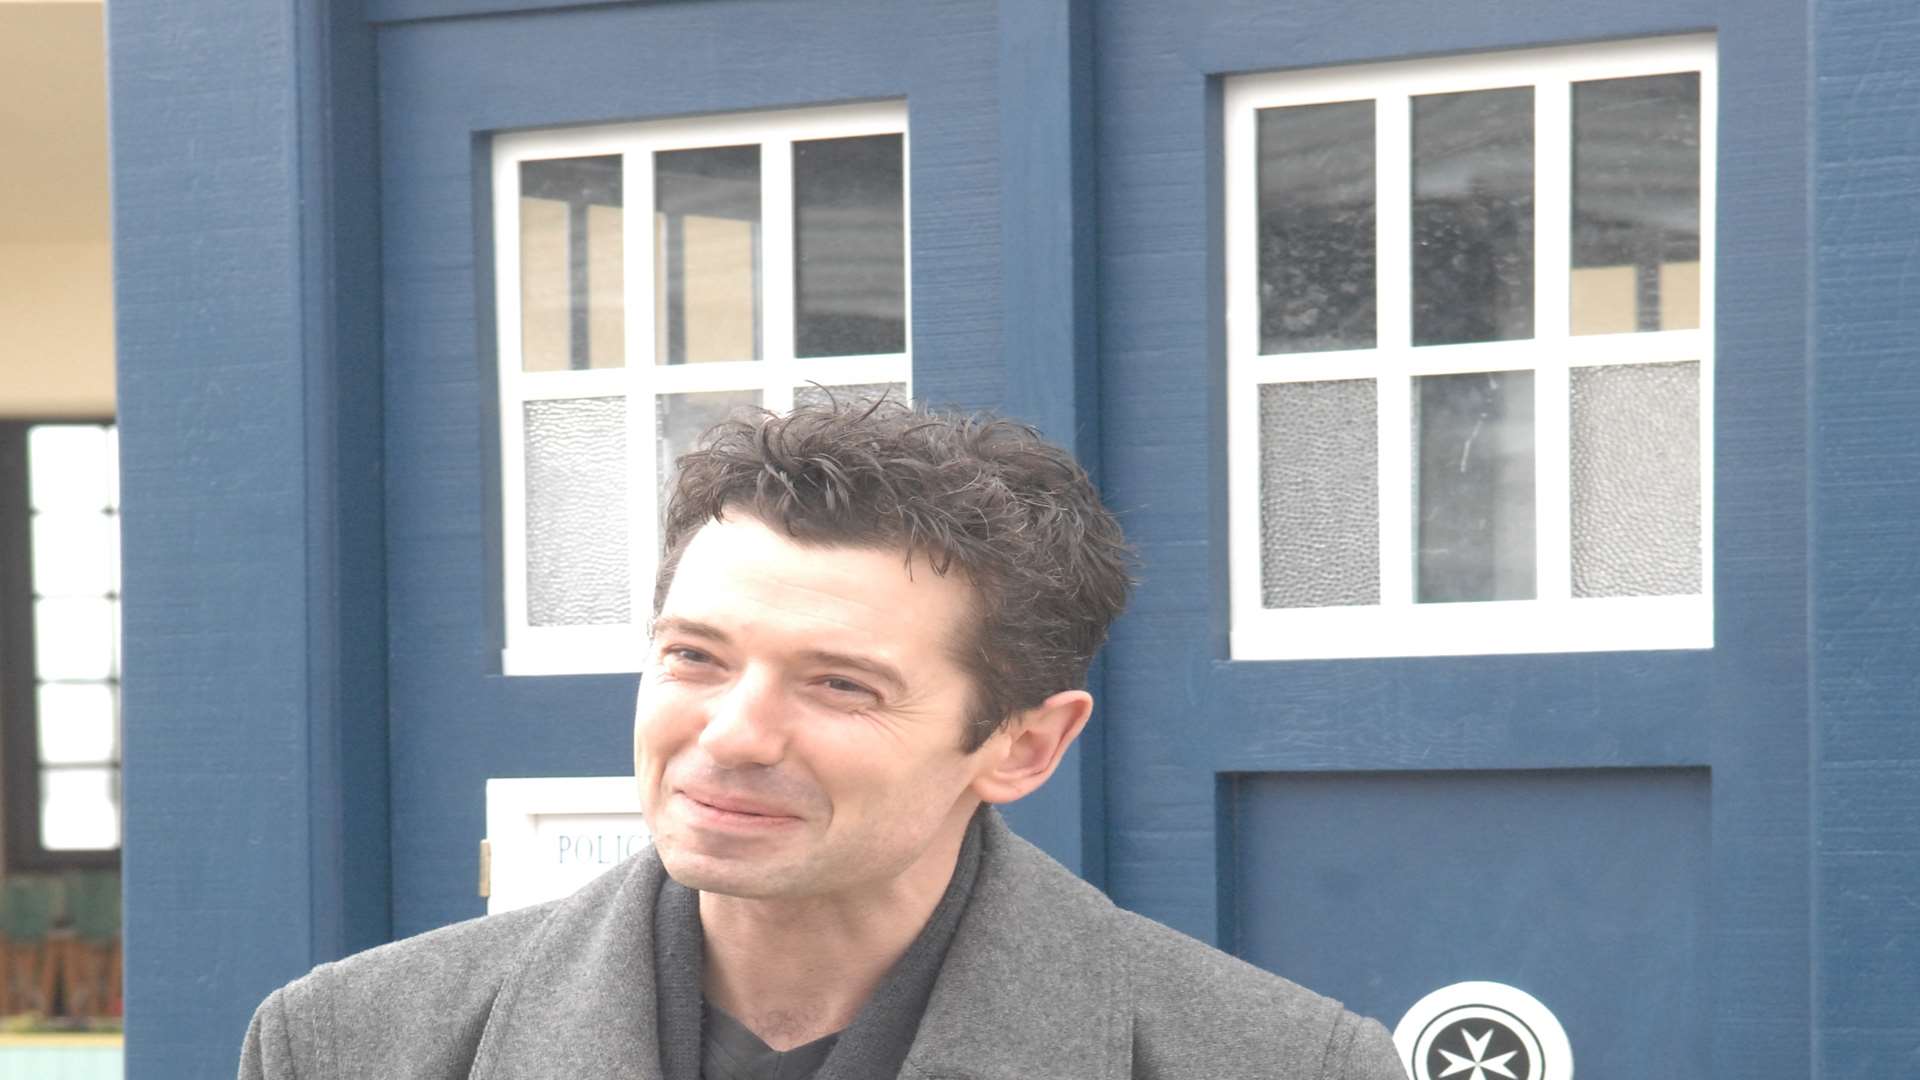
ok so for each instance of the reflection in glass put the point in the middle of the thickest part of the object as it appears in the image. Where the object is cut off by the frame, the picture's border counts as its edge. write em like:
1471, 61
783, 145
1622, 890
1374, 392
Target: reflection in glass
577, 562
1636, 204
572, 276
1316, 244
1473, 216
680, 420
1473, 498
1319, 494
1635, 443
70, 467
853, 394
850, 246
706, 254
77, 724
79, 809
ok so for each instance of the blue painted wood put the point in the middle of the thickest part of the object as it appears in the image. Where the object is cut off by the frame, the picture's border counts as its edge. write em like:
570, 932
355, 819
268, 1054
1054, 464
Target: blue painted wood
247, 312
1046, 214
390, 11
1866, 512
446, 84
1181, 715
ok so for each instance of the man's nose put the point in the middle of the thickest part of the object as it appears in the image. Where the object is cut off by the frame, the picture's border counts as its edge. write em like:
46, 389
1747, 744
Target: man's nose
746, 725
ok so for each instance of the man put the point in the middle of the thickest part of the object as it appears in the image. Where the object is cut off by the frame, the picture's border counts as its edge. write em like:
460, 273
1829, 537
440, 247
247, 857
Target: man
870, 626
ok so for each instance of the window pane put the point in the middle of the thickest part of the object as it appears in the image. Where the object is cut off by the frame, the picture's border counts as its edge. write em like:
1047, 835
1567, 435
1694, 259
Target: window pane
857, 393
69, 467
680, 420
577, 560
1473, 216
73, 639
1636, 204
77, 724
1636, 480
1473, 500
73, 554
79, 809
1319, 494
572, 301
850, 246
707, 254
1317, 227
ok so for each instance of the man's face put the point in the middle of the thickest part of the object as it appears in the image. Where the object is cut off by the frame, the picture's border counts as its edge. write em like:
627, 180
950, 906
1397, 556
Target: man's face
799, 727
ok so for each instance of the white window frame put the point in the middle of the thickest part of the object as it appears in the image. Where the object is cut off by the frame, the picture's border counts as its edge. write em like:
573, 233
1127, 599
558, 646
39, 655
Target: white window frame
1398, 626
610, 648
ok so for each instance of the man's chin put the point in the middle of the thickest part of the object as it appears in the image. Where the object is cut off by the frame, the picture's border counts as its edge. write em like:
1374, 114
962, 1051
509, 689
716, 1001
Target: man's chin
723, 876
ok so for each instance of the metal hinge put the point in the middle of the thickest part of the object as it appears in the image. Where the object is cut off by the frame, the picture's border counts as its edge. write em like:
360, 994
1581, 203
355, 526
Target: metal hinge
486, 868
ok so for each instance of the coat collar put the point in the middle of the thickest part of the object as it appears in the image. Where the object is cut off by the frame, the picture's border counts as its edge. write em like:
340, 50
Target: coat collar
1031, 986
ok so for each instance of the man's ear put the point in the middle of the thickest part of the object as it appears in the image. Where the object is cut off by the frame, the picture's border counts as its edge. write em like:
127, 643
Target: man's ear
1023, 753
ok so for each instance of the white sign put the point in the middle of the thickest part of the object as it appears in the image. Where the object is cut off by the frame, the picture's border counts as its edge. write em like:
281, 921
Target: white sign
547, 836
1482, 1031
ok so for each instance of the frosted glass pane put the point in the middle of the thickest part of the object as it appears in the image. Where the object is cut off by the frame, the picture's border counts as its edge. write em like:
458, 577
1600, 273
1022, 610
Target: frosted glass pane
1473, 216
707, 254
69, 466
73, 639
1316, 244
850, 246
1636, 204
79, 809
857, 393
73, 553
77, 723
1636, 480
577, 555
1473, 496
680, 420
1319, 494
572, 288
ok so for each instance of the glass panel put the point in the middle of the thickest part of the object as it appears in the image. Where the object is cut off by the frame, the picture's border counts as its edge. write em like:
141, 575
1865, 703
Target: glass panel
856, 393
77, 724
1636, 480
73, 639
1319, 494
572, 299
1636, 204
69, 467
1317, 227
680, 420
707, 254
73, 554
577, 561
1473, 497
850, 246
1473, 216
79, 809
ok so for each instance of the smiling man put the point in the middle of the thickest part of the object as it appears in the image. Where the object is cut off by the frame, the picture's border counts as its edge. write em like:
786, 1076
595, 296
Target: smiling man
871, 626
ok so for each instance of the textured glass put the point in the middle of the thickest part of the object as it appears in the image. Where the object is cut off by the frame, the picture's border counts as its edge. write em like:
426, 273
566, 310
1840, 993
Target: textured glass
1636, 204
79, 809
1319, 494
855, 394
1317, 257
850, 246
73, 639
679, 421
77, 725
572, 265
1473, 216
69, 467
73, 553
1636, 480
577, 556
707, 254
1473, 497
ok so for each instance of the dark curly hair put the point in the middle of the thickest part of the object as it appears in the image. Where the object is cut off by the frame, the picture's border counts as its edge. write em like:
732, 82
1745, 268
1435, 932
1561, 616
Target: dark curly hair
1012, 512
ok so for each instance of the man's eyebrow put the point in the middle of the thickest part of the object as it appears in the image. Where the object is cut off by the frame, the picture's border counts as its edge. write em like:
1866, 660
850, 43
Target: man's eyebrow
674, 624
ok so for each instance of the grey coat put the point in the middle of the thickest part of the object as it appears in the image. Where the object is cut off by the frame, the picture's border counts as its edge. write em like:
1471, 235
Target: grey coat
1045, 978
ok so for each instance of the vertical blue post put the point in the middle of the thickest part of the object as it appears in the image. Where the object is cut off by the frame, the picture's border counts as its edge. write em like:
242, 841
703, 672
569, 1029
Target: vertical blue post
247, 293
1864, 570
1047, 231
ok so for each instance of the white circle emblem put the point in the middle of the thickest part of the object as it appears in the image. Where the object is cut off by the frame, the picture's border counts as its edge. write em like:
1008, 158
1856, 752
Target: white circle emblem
1482, 1031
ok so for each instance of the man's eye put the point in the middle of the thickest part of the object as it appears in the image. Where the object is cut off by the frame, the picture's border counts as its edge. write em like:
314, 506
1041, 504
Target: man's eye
684, 655
844, 686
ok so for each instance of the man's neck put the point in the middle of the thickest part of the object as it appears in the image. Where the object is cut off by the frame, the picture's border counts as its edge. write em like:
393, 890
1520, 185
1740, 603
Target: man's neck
795, 970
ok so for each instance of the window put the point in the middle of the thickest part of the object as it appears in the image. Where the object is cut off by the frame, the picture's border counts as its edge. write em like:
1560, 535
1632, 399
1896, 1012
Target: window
772, 268
59, 644
1470, 354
